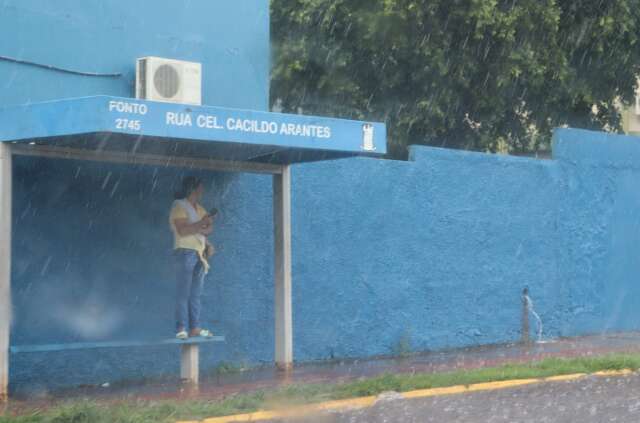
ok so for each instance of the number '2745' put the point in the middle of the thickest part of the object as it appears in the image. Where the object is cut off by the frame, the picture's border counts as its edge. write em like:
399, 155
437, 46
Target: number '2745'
132, 125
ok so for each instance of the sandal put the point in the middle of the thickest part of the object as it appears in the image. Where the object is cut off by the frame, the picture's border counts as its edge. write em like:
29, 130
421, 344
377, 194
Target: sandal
201, 332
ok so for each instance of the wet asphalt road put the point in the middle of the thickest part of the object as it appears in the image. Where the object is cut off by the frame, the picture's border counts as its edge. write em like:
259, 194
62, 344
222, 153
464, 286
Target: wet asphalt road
591, 399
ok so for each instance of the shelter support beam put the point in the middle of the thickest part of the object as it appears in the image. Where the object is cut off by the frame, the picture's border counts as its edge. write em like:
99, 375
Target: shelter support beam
282, 268
143, 159
5, 266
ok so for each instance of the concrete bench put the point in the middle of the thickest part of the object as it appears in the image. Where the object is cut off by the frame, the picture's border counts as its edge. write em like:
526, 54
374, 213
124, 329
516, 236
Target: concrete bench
189, 357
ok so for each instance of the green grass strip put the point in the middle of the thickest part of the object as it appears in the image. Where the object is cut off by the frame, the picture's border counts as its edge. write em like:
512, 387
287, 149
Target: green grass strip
86, 411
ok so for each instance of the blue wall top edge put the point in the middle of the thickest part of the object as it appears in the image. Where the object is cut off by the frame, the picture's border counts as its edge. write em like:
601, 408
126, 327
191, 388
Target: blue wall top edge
569, 144
418, 153
594, 147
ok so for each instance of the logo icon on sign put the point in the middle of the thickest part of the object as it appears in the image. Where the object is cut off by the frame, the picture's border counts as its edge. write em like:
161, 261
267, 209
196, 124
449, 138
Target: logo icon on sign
367, 137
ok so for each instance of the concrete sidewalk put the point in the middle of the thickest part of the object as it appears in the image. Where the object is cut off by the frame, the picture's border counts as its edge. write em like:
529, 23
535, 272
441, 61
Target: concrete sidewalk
221, 385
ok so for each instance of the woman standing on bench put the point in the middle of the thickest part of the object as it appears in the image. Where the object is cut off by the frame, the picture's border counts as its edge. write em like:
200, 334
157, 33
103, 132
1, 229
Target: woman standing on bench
190, 224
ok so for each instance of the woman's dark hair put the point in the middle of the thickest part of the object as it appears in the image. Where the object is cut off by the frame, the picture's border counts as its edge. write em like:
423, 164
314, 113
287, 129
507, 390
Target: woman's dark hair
189, 184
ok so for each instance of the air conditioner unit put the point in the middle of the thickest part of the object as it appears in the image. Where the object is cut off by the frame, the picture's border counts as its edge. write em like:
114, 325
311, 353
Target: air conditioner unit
172, 81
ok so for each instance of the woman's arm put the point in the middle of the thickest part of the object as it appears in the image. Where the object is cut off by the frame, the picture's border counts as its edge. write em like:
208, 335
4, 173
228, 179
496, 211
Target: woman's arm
184, 228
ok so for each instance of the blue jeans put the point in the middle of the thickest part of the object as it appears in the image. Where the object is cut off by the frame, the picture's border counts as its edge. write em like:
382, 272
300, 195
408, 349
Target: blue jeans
190, 279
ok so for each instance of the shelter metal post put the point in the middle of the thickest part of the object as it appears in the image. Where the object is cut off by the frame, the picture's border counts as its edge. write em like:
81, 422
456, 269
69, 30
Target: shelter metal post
190, 363
5, 266
282, 268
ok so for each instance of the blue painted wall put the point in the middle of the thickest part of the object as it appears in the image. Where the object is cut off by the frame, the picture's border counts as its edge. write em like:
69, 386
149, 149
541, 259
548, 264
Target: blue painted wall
435, 252
425, 254
229, 38
600, 227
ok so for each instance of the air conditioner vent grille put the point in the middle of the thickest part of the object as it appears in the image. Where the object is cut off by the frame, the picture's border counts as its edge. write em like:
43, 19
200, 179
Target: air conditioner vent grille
166, 81
141, 75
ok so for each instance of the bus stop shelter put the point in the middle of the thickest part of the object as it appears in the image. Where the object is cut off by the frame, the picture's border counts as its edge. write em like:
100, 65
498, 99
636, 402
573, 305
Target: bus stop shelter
138, 132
